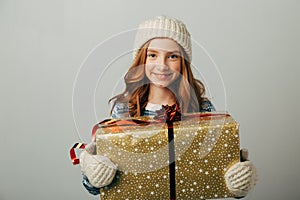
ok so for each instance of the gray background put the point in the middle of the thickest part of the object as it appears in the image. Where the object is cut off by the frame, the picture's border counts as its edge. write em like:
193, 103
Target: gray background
43, 43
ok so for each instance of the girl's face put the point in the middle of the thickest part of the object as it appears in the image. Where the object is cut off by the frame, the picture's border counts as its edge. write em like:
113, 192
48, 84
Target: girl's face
163, 62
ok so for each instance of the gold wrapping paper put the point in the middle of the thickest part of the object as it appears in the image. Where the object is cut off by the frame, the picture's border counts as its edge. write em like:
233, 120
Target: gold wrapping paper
205, 147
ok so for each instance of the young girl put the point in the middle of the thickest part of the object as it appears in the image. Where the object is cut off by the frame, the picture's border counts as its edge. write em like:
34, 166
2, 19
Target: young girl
160, 75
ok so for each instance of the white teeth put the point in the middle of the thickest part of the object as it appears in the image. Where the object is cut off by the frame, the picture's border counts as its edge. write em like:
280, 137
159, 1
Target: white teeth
162, 74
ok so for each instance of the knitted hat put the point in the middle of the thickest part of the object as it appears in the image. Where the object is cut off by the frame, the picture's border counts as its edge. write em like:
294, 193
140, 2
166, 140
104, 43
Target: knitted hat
166, 27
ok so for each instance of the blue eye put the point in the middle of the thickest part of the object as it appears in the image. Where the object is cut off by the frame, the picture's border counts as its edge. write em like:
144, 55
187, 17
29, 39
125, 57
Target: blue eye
173, 56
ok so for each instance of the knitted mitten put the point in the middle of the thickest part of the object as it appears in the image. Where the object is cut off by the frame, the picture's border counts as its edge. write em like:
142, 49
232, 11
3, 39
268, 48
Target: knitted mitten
99, 170
241, 177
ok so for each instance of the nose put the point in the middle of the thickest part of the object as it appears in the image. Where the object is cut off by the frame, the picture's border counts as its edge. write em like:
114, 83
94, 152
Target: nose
162, 64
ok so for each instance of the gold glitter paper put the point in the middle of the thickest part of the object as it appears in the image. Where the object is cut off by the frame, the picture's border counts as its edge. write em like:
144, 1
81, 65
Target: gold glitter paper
205, 148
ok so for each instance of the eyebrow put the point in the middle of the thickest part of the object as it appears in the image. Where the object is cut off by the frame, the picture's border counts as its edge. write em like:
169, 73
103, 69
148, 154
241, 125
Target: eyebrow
174, 51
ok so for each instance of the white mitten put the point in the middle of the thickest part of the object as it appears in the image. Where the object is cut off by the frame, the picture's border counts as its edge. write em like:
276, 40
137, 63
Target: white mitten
99, 169
242, 176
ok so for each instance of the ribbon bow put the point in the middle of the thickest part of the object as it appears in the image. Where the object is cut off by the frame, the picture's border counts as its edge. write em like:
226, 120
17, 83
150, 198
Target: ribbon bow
169, 113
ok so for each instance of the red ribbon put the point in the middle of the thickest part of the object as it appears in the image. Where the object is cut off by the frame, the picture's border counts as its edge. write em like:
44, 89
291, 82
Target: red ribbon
73, 156
158, 119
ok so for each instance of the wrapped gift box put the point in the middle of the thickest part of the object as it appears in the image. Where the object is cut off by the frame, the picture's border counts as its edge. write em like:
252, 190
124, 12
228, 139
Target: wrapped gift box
205, 146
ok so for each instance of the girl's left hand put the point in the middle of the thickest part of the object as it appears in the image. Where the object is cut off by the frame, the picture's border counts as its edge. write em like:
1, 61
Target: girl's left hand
242, 176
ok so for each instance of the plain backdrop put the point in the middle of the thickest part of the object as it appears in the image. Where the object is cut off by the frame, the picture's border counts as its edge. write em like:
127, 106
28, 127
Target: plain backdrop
255, 45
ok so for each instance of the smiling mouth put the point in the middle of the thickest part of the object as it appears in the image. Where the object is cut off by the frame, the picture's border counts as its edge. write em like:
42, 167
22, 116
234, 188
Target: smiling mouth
162, 76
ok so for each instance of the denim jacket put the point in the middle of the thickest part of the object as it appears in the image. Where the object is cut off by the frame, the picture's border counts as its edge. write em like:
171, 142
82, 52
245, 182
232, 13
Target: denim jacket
121, 110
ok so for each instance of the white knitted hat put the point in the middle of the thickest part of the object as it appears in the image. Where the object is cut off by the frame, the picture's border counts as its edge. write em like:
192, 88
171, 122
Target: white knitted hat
163, 26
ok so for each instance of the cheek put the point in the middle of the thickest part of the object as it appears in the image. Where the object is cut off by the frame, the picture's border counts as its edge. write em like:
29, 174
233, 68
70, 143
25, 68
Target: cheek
148, 69
176, 67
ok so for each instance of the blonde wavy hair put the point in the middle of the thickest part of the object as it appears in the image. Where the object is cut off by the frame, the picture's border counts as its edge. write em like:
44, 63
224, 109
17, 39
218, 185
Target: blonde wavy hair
188, 91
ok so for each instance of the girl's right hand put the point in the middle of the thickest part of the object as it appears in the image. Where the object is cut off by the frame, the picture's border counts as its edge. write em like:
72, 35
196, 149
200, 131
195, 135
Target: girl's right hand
99, 170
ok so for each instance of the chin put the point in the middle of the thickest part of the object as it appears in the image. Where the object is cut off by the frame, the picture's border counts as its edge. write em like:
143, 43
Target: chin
159, 84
